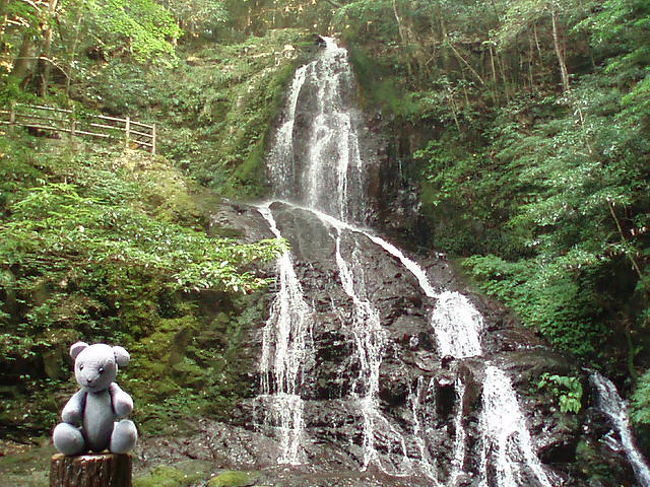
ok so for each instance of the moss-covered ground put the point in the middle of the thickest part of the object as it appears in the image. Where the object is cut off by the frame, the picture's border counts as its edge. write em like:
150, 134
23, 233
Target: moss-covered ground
108, 245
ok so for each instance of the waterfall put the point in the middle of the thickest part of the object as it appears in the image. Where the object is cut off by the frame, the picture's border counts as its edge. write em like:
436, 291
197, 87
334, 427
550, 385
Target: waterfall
409, 264
457, 326
417, 398
460, 445
326, 171
370, 340
610, 403
315, 165
506, 440
286, 349
280, 157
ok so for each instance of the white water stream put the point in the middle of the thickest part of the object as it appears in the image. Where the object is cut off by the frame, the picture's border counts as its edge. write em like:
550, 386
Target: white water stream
609, 402
280, 157
286, 349
370, 340
328, 174
506, 440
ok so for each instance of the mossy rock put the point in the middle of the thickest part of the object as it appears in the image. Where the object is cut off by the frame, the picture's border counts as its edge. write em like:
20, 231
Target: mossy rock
166, 476
233, 478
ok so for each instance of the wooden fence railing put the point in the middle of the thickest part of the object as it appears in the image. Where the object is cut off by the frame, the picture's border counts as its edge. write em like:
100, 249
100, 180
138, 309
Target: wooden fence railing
55, 119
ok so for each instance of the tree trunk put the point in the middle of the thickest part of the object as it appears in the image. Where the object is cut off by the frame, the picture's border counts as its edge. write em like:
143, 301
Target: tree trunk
531, 60
103, 470
464, 61
493, 66
73, 53
631, 352
443, 37
403, 37
24, 64
506, 85
45, 61
564, 73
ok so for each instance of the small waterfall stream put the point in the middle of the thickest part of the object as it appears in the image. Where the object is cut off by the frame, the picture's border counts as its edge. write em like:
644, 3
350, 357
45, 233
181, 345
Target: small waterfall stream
370, 340
286, 349
457, 325
325, 170
610, 403
316, 168
506, 437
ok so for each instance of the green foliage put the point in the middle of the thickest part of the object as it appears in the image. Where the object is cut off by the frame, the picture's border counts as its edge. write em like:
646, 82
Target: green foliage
367, 17
55, 220
40, 38
550, 298
640, 401
566, 390
549, 196
144, 26
621, 28
589, 456
217, 108
111, 247
198, 17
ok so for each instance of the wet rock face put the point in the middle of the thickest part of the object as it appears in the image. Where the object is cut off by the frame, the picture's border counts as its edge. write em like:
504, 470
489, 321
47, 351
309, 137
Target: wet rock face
370, 362
420, 410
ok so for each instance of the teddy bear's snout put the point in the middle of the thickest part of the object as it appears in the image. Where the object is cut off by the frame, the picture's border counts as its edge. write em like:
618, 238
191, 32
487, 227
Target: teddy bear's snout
90, 378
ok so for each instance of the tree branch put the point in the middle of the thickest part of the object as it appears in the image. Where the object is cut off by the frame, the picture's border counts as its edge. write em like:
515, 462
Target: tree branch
334, 4
461, 58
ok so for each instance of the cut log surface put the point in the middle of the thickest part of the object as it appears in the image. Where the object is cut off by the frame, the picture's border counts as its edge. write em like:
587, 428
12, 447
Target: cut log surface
102, 470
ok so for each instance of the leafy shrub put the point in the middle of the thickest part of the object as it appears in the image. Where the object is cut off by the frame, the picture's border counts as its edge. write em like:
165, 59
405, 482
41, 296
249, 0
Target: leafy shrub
566, 390
111, 247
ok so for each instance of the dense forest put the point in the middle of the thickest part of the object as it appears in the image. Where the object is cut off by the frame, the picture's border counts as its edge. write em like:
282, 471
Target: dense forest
522, 125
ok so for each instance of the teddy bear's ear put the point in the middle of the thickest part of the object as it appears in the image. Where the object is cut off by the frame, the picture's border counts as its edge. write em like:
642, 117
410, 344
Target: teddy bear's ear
121, 356
77, 348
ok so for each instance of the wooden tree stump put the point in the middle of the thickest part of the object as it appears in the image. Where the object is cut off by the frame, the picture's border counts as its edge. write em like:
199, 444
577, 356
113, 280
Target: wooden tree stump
102, 470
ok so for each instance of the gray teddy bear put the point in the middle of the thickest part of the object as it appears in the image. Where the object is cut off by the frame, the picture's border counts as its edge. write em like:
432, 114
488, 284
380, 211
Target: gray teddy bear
92, 417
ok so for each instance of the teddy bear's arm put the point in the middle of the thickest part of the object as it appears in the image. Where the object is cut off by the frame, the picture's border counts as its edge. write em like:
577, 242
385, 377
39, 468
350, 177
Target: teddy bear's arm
73, 411
122, 402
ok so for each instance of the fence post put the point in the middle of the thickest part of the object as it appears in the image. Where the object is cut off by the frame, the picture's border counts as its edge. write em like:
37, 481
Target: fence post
12, 116
73, 123
127, 132
153, 139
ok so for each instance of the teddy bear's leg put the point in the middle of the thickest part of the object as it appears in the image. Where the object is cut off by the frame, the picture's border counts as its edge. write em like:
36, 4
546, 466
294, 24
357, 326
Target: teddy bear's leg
124, 436
68, 439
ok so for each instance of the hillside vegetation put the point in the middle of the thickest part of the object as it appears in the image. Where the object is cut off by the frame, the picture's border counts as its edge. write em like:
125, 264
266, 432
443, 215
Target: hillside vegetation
102, 243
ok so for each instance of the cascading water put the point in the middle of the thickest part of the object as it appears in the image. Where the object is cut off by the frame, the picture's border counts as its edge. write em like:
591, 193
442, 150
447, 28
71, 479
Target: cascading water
315, 164
460, 446
286, 349
370, 340
281, 154
505, 437
325, 170
457, 325
610, 403
417, 398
